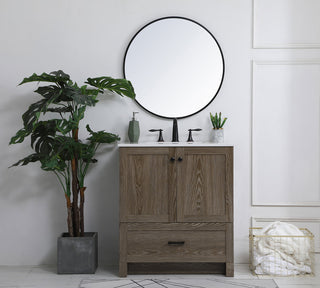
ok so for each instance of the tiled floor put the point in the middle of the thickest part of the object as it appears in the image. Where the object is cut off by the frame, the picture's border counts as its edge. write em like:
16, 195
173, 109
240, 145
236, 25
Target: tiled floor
46, 277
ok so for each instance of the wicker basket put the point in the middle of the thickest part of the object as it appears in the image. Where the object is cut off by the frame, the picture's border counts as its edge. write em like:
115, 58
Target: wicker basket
281, 255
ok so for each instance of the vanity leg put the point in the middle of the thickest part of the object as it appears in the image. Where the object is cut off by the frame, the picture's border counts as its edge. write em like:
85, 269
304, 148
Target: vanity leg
123, 269
229, 270
229, 250
123, 265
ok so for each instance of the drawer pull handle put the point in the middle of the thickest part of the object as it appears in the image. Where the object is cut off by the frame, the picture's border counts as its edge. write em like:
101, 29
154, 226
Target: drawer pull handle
180, 159
172, 159
175, 243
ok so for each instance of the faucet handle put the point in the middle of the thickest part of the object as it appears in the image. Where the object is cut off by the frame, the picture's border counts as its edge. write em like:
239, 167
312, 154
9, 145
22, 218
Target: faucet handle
190, 134
160, 139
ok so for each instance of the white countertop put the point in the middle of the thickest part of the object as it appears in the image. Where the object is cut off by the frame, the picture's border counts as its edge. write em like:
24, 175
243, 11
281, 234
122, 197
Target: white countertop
175, 144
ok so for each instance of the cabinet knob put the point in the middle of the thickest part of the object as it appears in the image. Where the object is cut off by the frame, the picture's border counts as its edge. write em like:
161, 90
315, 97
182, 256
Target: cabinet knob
172, 159
180, 159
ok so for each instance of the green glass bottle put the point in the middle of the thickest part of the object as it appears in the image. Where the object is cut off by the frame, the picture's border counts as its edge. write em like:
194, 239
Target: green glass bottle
134, 129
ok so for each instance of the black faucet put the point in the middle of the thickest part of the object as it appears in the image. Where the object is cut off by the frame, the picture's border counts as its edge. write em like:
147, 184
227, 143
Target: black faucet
190, 134
160, 139
175, 135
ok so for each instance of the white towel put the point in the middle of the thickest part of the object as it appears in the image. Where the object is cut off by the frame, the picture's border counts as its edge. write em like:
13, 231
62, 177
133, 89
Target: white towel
282, 255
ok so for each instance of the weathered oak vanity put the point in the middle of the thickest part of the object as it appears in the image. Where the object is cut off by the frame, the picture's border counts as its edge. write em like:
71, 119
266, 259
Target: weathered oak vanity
176, 208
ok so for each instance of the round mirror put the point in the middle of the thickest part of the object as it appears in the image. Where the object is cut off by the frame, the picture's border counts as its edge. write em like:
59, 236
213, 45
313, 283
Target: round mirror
176, 67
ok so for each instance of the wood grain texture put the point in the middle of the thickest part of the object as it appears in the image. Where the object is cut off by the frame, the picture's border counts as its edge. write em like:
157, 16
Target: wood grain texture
177, 226
123, 266
229, 250
203, 190
172, 200
229, 181
144, 185
153, 246
229, 269
189, 202
177, 268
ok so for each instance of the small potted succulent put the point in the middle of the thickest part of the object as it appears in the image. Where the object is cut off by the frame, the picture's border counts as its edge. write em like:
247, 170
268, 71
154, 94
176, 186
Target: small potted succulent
217, 124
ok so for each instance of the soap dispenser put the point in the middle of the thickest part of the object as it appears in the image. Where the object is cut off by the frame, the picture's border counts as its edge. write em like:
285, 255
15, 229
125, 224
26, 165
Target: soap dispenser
134, 129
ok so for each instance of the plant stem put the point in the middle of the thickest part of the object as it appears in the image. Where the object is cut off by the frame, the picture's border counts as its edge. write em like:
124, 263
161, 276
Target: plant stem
67, 196
69, 219
75, 189
64, 188
82, 189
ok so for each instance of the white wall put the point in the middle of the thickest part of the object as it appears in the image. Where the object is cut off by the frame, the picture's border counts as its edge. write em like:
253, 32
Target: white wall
87, 39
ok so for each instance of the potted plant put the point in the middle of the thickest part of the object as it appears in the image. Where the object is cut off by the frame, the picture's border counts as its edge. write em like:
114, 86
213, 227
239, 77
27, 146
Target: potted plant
217, 123
58, 148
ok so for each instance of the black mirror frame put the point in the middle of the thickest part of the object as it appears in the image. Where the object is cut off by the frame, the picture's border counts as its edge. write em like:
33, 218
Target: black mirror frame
184, 18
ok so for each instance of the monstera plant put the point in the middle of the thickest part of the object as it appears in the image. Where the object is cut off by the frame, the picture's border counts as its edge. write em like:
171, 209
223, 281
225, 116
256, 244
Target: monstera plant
53, 126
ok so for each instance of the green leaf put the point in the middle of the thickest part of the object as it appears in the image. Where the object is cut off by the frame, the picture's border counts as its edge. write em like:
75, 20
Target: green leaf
87, 153
65, 126
212, 120
224, 121
53, 164
60, 109
53, 93
31, 116
89, 91
122, 87
19, 137
79, 98
101, 136
51, 139
60, 75
79, 114
50, 91
216, 121
66, 147
42, 138
55, 76
29, 159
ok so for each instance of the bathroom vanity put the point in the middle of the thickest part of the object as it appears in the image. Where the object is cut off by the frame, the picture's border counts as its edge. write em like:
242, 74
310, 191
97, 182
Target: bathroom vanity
176, 208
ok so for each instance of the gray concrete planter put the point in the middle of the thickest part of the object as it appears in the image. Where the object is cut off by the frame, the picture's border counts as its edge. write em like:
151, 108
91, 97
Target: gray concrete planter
77, 255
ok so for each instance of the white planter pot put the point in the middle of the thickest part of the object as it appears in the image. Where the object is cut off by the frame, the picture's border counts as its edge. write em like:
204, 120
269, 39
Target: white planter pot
218, 136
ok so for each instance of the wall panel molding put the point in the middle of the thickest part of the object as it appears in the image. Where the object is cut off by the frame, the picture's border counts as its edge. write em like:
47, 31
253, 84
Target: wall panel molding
295, 24
285, 159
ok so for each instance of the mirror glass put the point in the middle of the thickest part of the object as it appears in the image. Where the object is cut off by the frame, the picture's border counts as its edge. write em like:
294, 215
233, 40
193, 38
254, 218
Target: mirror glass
176, 67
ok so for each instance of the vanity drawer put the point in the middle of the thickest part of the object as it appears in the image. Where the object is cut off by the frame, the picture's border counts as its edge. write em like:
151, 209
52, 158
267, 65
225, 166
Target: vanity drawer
176, 246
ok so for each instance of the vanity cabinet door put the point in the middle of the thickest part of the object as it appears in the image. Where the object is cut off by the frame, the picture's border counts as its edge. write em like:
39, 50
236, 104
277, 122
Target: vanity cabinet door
205, 184
146, 189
